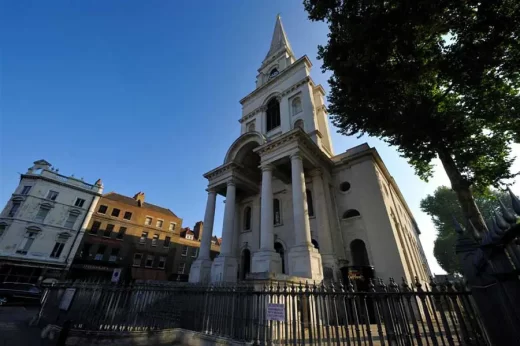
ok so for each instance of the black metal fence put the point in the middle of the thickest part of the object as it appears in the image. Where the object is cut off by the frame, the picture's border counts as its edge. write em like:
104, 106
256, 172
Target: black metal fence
281, 313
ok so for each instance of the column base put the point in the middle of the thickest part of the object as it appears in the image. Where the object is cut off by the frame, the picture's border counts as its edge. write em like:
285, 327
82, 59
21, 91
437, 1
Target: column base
266, 261
305, 261
330, 268
224, 269
200, 271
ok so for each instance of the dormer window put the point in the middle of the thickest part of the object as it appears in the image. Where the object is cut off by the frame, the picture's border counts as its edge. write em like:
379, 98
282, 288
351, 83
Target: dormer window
274, 72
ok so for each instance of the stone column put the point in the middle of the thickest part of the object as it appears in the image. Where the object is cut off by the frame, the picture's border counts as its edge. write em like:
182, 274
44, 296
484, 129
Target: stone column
266, 211
225, 266
266, 260
304, 259
302, 228
200, 269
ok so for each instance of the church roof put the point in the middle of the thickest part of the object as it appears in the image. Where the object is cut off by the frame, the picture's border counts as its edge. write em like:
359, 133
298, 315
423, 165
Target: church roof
279, 40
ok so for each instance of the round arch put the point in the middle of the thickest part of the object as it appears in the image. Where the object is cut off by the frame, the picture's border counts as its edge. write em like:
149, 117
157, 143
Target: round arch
274, 95
247, 140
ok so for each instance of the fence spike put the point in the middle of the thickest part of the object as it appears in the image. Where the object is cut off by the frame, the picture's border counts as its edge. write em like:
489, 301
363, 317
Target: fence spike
476, 233
501, 223
515, 201
381, 285
350, 286
508, 216
418, 284
371, 286
405, 286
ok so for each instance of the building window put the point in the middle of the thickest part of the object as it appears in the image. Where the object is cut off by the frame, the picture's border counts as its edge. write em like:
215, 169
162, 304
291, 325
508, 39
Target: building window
189, 236
102, 209
95, 227
127, 216
167, 241
60, 244
27, 241
52, 195
79, 202
351, 213
359, 253
273, 114
344, 186
137, 259
100, 252
162, 262
195, 252
144, 235
296, 106
159, 223
277, 212
108, 230
299, 123
71, 220
274, 72
113, 254
182, 265
247, 219
148, 221
184, 251
3, 227
155, 239
149, 261
14, 208
26, 190
115, 212
121, 234
42, 213
173, 225
310, 206
251, 127
85, 251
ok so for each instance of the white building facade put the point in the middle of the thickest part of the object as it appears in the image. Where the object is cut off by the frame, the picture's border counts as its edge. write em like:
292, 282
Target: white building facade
293, 208
43, 223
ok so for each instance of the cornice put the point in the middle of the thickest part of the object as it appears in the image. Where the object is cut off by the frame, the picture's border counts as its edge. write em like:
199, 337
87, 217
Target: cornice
220, 170
253, 113
291, 67
35, 177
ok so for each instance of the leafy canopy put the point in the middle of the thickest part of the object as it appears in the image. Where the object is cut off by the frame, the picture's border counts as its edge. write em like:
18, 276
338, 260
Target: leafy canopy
428, 76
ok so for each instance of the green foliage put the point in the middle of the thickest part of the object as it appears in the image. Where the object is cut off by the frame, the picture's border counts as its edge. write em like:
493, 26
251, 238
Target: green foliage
431, 77
442, 206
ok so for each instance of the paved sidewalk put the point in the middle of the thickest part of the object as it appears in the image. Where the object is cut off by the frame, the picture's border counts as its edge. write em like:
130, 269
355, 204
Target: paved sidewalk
15, 329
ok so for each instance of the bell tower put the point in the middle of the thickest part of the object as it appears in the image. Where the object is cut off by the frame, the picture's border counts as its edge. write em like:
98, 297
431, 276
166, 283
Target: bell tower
286, 97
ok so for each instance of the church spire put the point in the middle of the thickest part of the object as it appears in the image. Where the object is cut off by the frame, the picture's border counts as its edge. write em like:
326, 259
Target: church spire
279, 40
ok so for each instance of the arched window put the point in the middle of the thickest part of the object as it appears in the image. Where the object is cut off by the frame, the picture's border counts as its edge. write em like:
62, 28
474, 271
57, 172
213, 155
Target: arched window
359, 253
299, 123
310, 206
274, 72
247, 219
251, 127
273, 114
277, 213
351, 213
279, 248
296, 106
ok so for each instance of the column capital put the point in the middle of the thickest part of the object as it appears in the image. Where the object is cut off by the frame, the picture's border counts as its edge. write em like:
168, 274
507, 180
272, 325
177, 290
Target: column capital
296, 156
316, 172
211, 190
267, 167
230, 182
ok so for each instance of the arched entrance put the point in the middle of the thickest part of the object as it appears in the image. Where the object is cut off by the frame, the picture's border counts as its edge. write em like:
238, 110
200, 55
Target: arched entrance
279, 248
246, 263
359, 253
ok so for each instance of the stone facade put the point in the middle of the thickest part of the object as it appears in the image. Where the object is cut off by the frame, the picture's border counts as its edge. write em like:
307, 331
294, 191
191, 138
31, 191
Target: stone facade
43, 223
292, 207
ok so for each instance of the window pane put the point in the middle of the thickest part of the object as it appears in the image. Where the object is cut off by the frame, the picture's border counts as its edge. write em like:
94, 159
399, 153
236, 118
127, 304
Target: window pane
167, 241
162, 262
144, 235
184, 251
148, 221
137, 259
122, 231
95, 227
26, 190
128, 215
56, 251
276, 212
71, 220
14, 208
42, 213
52, 195
79, 202
149, 261
155, 239
159, 223
115, 212
172, 226
102, 209
100, 252
108, 230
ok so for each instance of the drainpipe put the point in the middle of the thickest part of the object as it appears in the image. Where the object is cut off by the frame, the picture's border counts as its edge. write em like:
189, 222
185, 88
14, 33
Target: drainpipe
79, 235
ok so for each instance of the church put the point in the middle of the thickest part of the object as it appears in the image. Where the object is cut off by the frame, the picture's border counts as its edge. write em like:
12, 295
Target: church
294, 209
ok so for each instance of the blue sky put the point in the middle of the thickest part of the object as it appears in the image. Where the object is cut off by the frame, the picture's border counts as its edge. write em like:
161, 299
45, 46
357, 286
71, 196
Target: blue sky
144, 94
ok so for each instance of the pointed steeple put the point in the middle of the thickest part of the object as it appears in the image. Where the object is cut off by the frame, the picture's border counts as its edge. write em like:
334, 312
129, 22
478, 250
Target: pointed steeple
279, 40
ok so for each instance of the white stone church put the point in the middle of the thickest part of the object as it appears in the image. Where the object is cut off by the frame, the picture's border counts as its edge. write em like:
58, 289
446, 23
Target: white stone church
293, 208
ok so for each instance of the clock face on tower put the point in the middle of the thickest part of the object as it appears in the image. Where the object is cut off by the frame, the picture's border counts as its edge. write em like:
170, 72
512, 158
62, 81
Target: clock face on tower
274, 73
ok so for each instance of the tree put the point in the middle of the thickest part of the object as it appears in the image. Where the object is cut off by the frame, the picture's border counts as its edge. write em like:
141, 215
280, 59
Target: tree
442, 207
435, 78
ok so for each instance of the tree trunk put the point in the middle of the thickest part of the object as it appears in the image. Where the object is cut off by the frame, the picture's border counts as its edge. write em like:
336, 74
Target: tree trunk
462, 188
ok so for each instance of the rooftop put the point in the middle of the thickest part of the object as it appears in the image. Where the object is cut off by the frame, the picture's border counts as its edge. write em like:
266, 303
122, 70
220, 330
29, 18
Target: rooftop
133, 202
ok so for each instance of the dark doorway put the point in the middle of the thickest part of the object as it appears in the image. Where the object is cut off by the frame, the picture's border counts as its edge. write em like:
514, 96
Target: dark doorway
246, 263
359, 253
315, 244
279, 248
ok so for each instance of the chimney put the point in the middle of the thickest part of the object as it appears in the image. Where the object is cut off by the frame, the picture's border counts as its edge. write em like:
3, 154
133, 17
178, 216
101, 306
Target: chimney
139, 197
197, 230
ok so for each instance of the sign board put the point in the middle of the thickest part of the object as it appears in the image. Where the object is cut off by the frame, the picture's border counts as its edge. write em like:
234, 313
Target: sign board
354, 274
116, 274
276, 312
66, 299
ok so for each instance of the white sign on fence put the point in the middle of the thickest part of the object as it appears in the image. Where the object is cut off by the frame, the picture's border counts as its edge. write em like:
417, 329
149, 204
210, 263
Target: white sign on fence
116, 274
66, 299
276, 312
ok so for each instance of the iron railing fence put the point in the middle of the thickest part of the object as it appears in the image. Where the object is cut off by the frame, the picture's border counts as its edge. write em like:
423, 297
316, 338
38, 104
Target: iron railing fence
280, 313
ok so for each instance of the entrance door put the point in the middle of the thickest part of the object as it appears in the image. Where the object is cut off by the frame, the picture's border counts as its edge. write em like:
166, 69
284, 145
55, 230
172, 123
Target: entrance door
246, 263
279, 248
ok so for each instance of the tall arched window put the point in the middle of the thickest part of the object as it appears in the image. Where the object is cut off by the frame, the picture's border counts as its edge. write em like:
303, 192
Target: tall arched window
279, 248
359, 253
247, 219
277, 214
351, 213
296, 106
310, 206
273, 114
299, 123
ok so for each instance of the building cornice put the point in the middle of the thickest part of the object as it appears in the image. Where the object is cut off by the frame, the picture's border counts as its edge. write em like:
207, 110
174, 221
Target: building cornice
220, 170
36, 177
291, 67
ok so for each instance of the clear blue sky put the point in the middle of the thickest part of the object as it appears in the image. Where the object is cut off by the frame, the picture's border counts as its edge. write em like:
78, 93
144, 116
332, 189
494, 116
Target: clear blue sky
144, 94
